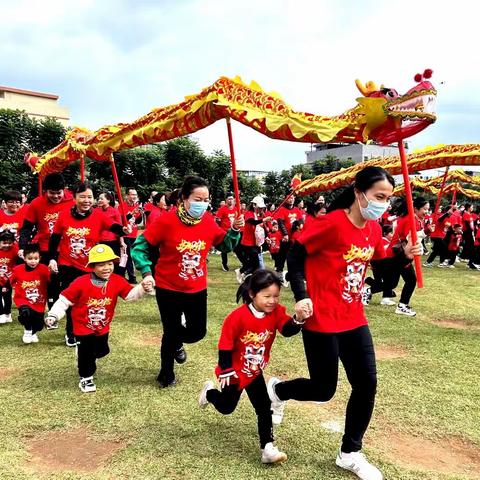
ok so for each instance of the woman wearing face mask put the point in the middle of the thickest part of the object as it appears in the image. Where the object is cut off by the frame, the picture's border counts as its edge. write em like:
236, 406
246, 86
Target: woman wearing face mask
332, 256
177, 244
395, 265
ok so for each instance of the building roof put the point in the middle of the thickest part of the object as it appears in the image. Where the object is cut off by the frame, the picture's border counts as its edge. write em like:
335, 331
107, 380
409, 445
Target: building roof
28, 92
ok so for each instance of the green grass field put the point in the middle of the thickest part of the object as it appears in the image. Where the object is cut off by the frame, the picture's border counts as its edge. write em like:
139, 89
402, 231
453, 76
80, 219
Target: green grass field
428, 402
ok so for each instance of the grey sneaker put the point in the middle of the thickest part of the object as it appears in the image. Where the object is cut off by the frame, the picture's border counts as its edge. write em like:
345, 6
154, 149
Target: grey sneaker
278, 406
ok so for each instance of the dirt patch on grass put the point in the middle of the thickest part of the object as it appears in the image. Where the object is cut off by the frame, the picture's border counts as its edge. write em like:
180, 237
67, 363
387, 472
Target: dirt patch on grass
149, 340
384, 352
452, 455
455, 324
7, 372
76, 450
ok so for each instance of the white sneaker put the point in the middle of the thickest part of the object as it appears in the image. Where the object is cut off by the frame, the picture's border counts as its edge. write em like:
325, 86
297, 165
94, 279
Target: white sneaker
278, 406
451, 266
387, 301
86, 385
285, 282
34, 338
27, 336
357, 463
443, 264
271, 454
428, 265
403, 309
8, 318
239, 276
3, 318
202, 398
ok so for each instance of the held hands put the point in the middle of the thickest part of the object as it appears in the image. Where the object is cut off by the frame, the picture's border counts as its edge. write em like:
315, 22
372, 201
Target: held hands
51, 322
127, 229
148, 284
227, 377
20, 254
285, 238
239, 222
304, 308
52, 266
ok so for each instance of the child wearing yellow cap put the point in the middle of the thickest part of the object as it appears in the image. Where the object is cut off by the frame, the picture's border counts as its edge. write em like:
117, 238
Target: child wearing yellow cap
93, 298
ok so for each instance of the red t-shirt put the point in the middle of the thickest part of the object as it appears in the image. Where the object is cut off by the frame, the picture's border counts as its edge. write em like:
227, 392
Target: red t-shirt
155, 212
79, 236
44, 214
8, 260
113, 216
250, 339
439, 227
338, 254
30, 286
226, 216
467, 221
93, 307
477, 238
248, 237
456, 218
12, 222
182, 265
289, 215
274, 240
401, 232
454, 242
136, 212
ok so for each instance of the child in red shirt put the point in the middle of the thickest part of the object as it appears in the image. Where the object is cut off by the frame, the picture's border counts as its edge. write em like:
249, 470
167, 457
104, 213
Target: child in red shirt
93, 298
244, 351
30, 281
12, 217
453, 240
8, 260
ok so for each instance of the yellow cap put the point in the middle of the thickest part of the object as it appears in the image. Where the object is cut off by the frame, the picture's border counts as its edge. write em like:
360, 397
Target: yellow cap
101, 253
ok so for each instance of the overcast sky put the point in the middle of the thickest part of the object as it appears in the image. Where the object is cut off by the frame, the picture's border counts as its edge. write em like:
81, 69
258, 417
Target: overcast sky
112, 61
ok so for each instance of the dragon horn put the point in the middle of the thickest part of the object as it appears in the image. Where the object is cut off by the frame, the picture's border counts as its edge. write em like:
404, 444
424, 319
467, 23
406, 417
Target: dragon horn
366, 89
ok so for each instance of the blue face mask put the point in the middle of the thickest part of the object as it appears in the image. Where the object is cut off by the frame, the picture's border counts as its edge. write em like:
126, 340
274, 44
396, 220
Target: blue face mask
197, 209
374, 210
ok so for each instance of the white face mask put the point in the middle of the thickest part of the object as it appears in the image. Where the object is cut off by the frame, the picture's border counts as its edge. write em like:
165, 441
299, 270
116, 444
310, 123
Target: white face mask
373, 210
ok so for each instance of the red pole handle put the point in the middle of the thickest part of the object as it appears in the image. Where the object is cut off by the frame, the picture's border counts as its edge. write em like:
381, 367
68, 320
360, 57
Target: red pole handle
440, 194
118, 189
234, 166
411, 214
82, 168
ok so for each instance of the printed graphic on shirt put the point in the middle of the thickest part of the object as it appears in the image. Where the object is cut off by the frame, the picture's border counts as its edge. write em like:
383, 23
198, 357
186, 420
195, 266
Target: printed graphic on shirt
254, 353
51, 219
4, 270
97, 312
231, 218
191, 265
31, 291
78, 242
352, 281
12, 227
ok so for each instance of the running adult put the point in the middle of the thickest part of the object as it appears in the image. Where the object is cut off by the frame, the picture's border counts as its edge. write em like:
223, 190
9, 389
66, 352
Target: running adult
332, 256
175, 246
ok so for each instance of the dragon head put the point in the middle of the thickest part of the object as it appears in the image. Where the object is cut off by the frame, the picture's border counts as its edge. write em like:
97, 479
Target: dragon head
391, 117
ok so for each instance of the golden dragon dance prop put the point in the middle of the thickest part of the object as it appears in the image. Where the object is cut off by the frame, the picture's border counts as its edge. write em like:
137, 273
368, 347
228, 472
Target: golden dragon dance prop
425, 159
430, 188
381, 115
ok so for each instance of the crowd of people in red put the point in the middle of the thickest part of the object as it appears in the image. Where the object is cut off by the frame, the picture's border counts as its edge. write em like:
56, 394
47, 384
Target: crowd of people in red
72, 252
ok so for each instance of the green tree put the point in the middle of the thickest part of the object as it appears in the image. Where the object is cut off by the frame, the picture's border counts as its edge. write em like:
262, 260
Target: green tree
330, 164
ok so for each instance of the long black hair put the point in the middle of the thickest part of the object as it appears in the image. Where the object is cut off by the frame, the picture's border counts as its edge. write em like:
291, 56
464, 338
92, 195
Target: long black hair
363, 181
257, 281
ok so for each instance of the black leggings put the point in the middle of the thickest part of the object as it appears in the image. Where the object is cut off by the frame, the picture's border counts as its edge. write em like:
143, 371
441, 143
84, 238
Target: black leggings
115, 246
355, 349
30, 318
226, 400
53, 287
67, 275
89, 348
6, 299
438, 249
171, 305
251, 262
377, 283
392, 277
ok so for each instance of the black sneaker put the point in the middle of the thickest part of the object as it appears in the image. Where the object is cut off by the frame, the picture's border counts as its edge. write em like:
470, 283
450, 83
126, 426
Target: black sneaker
132, 281
165, 381
181, 355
